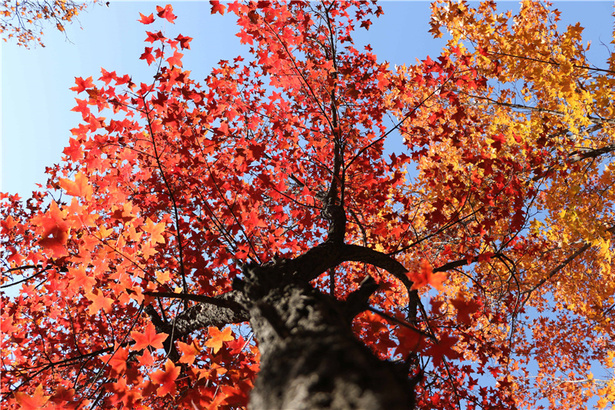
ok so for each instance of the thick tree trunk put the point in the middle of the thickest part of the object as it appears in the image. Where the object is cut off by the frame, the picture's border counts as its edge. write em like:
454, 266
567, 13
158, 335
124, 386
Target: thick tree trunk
309, 357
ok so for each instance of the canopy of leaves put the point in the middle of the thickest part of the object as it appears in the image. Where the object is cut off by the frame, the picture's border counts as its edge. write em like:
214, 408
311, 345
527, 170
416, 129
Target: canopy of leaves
501, 199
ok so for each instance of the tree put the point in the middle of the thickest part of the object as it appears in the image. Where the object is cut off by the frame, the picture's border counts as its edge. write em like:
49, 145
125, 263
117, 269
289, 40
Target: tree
250, 239
23, 20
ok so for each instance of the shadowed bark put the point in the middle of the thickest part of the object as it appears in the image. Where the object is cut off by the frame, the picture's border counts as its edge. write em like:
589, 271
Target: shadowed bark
309, 356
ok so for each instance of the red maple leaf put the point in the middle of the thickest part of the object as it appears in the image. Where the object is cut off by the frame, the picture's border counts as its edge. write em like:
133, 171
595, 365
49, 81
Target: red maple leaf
409, 341
498, 140
107, 76
82, 84
166, 12
82, 107
153, 37
176, 59
465, 309
117, 360
166, 378
184, 42
216, 7
147, 56
148, 338
443, 348
146, 19
55, 231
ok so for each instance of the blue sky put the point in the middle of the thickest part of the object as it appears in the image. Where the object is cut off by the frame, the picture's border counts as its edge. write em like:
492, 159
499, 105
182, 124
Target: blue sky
36, 100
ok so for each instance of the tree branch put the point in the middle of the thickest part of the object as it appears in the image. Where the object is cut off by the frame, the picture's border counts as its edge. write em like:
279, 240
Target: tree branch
217, 311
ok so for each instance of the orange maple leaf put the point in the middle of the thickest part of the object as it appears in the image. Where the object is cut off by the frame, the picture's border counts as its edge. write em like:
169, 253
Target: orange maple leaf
217, 338
80, 187
148, 338
166, 378
189, 352
426, 276
34, 401
99, 302
146, 359
155, 230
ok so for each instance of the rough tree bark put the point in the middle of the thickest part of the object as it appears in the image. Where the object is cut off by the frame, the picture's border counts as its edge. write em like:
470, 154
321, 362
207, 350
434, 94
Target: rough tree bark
310, 358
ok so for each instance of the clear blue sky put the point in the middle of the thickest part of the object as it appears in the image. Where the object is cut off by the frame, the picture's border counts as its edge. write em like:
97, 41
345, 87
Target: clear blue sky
36, 100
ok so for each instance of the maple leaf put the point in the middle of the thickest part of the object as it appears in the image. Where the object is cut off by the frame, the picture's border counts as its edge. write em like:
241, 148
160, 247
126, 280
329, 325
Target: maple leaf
465, 309
155, 230
166, 12
245, 37
55, 231
146, 19
82, 84
409, 341
73, 150
426, 276
184, 42
148, 338
189, 352
34, 401
147, 56
62, 395
82, 107
498, 140
146, 358
81, 279
99, 302
443, 348
166, 378
217, 337
80, 187
216, 7
117, 360
176, 59
107, 76
153, 37
366, 24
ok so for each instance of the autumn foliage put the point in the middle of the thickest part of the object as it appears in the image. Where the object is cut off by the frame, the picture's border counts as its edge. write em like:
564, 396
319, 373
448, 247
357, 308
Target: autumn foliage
498, 201
23, 20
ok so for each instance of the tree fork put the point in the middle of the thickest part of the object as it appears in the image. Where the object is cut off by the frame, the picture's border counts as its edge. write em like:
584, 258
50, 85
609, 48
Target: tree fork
310, 357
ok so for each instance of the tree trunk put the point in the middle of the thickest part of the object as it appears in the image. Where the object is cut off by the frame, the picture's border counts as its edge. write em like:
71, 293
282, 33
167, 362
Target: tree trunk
310, 358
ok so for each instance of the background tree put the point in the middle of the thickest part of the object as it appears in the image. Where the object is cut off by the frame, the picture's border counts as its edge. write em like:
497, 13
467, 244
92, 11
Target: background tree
264, 199
24, 20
